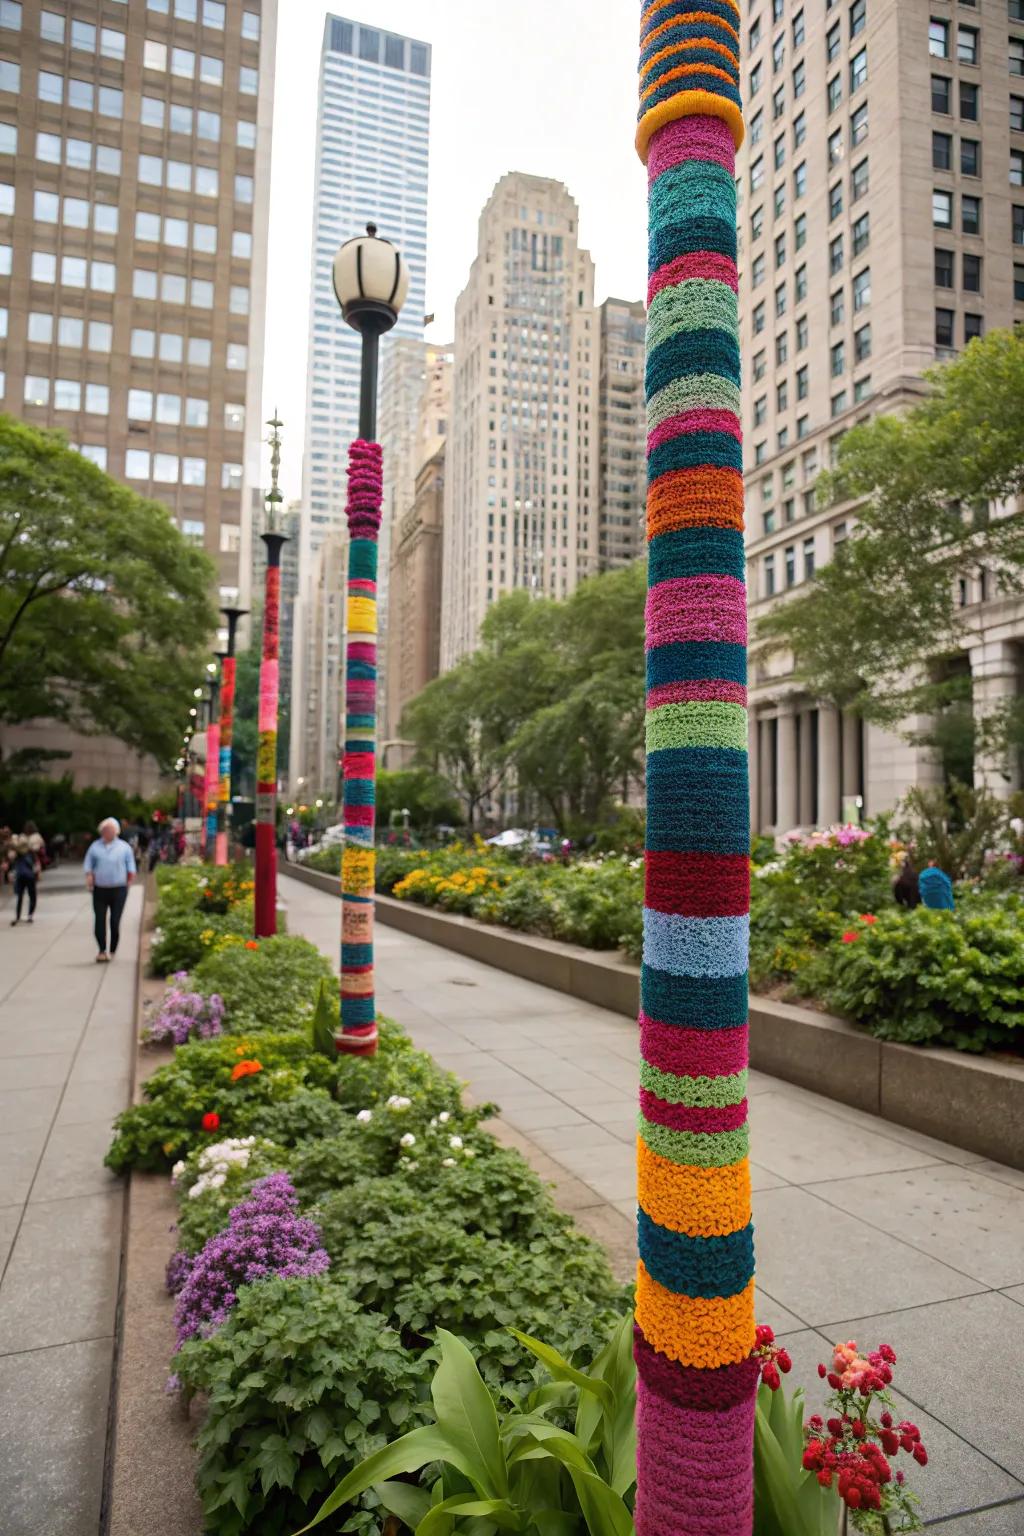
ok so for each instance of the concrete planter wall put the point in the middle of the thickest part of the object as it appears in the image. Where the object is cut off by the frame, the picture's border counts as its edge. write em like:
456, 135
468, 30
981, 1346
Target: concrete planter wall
973, 1102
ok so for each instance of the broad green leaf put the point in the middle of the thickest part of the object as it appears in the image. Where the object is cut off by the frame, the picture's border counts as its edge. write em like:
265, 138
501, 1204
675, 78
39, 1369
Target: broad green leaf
409, 1503
408, 1454
323, 1024
443, 1518
467, 1418
562, 1370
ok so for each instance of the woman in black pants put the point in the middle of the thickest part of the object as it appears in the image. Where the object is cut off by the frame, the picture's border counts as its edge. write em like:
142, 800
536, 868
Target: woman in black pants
25, 868
109, 871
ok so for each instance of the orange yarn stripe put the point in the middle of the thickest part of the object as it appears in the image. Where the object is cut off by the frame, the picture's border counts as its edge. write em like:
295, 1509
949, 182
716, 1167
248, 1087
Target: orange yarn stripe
666, 26
705, 1331
694, 42
688, 104
681, 70
709, 497
659, 5
702, 1202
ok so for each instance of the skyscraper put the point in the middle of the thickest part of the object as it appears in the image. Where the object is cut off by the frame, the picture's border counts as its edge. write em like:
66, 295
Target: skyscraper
371, 165
882, 227
134, 172
521, 463
622, 434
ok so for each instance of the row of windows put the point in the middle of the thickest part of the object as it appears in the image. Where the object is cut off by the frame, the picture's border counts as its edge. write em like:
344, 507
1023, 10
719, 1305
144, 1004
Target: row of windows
837, 364
68, 395
789, 565
157, 113
940, 34
179, 175
80, 153
71, 331
942, 211
96, 336
945, 271
860, 289
188, 65
72, 212
170, 347
180, 234
945, 327
212, 14
174, 411
107, 41
172, 288
107, 100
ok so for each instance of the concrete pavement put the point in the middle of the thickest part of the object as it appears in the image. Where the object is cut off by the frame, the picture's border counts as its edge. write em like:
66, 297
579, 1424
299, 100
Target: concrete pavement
864, 1230
67, 1029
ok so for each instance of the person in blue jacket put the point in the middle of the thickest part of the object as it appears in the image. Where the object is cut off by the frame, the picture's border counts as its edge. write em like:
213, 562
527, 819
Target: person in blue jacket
109, 871
936, 888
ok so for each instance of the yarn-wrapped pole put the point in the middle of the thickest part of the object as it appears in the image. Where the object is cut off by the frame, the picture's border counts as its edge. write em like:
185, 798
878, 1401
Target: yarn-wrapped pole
227, 727
694, 1336
358, 1036
265, 878
211, 786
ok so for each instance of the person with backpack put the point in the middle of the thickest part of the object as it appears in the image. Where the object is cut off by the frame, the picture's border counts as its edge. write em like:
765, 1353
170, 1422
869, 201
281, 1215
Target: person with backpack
25, 862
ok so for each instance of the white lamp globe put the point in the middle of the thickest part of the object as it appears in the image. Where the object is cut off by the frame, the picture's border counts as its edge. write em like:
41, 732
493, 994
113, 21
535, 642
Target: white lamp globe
371, 281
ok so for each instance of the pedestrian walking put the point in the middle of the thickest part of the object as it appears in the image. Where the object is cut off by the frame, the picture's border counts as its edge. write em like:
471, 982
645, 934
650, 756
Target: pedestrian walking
26, 866
109, 871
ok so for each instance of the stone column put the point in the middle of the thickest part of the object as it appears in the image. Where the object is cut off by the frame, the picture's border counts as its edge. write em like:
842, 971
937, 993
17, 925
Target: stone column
807, 768
767, 774
788, 770
851, 755
828, 765
995, 679
754, 758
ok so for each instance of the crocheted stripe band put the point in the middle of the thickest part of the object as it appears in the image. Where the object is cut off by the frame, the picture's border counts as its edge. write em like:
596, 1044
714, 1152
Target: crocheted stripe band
358, 1035
266, 747
227, 731
695, 1285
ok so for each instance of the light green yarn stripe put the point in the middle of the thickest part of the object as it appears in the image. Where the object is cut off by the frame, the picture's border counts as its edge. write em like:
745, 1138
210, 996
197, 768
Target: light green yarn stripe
702, 391
695, 1149
693, 305
696, 1092
700, 723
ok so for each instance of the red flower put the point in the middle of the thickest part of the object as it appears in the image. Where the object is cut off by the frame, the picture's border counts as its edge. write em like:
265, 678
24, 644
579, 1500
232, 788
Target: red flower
251, 944
211, 1121
868, 917
849, 937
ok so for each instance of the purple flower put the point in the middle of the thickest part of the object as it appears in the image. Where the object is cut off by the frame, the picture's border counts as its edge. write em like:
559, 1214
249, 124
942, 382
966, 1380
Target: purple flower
178, 1266
182, 1015
265, 1236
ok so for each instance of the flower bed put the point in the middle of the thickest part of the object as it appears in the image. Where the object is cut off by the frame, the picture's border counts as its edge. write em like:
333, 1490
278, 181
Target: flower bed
335, 1213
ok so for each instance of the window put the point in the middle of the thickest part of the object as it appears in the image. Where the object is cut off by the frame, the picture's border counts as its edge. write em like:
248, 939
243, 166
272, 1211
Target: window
243, 189
779, 198
756, 78
171, 347
1017, 113
800, 285
1018, 226
808, 559
200, 353
241, 244
208, 126
165, 468
74, 271
40, 328
231, 477
204, 238
859, 125
970, 96
781, 349
10, 76
760, 452
143, 284
835, 148
768, 570
970, 215
838, 307
835, 255
800, 232
168, 410
758, 316
153, 112
248, 81
941, 94
967, 45
140, 405
835, 200
97, 399
147, 226
942, 151
237, 355
234, 418
944, 327
37, 390
799, 130
859, 181
154, 55
858, 17
780, 151
50, 87
861, 233
799, 80
972, 273
1018, 283
172, 288
780, 244
757, 223
862, 344
938, 39
790, 558
183, 63
943, 269
778, 103
211, 70
251, 26
798, 29
136, 464
833, 43
942, 209
862, 289
206, 181
112, 43
760, 410
858, 70
51, 27
800, 179
83, 35
239, 300
759, 366
143, 343
837, 359
181, 119
757, 271
839, 403
44, 265
970, 157
67, 395
8, 139
754, 35
245, 134
1017, 167
1017, 55
835, 92
778, 54
213, 14
782, 395
802, 427
46, 207
801, 333
104, 218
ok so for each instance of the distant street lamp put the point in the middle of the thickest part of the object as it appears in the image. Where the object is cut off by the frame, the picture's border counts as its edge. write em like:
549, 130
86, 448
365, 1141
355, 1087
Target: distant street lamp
371, 282
269, 698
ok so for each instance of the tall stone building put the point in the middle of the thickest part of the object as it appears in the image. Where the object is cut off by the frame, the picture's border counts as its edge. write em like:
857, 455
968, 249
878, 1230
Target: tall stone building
882, 227
622, 434
521, 467
414, 633
134, 181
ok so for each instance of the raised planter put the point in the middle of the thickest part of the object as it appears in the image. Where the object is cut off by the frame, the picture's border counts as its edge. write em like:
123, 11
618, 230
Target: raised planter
973, 1102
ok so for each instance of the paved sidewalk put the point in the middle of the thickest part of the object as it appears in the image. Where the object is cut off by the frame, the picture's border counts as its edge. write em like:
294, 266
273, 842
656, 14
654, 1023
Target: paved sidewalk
67, 1031
864, 1230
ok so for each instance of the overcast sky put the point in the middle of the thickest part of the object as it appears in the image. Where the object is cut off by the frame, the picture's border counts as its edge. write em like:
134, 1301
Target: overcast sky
544, 86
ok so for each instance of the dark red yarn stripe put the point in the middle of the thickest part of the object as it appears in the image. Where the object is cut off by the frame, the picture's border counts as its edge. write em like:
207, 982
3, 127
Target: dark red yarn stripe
698, 884
684, 1117
689, 1386
693, 1052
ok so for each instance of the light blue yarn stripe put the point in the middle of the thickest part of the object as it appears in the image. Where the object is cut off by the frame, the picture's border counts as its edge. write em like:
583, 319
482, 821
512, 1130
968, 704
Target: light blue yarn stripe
696, 946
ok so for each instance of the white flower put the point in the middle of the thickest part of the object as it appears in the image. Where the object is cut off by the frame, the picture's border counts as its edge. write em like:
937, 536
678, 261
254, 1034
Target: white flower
216, 1180
444, 1117
177, 1171
433, 1123
411, 1167
455, 1142
468, 1152
408, 1140
365, 1116
448, 1162
197, 1189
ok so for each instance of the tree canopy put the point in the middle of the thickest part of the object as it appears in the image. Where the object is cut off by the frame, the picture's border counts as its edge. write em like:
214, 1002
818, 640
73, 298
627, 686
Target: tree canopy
552, 703
878, 627
105, 610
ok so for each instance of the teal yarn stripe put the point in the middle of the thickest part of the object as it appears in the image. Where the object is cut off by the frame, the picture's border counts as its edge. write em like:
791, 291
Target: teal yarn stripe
694, 1092
691, 306
695, 1149
700, 187
701, 391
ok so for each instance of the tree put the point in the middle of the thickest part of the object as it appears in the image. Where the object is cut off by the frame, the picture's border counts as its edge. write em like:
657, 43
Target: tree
422, 793
450, 724
105, 610
879, 627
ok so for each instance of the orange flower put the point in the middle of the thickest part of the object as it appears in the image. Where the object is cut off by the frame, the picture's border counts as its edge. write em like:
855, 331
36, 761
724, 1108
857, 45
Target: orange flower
868, 917
251, 944
245, 1069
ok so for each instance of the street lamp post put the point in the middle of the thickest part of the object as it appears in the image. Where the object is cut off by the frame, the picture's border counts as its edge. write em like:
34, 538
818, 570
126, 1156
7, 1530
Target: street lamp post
227, 729
266, 750
212, 776
370, 283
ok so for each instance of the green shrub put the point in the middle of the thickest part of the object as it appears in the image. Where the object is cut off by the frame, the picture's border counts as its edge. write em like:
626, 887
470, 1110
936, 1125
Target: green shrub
273, 986
956, 978
184, 935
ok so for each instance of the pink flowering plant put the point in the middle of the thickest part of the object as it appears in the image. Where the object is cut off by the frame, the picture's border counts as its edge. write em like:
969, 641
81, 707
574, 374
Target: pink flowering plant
185, 1015
854, 1447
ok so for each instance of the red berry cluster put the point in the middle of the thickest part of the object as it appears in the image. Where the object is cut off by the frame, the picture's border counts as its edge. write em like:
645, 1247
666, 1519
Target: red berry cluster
771, 1358
850, 1449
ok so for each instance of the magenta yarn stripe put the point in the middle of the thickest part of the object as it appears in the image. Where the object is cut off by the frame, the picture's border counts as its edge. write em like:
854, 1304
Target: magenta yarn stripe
695, 1473
687, 422
689, 1385
689, 608
693, 1052
702, 688
686, 1117
704, 264
689, 138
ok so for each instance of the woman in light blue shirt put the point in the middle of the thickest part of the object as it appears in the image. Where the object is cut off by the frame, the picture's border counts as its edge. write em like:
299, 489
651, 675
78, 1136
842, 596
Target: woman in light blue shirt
109, 871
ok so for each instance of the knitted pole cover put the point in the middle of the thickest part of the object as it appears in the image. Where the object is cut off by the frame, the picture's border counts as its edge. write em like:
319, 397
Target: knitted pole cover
266, 747
695, 1286
227, 727
358, 1006
212, 787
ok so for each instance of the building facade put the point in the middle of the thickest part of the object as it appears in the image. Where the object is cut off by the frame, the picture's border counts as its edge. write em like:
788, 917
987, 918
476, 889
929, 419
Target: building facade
622, 434
134, 183
881, 228
521, 470
414, 634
